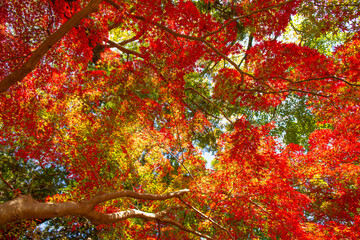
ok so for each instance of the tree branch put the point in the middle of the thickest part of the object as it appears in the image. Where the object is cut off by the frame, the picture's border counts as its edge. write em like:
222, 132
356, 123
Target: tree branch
31, 63
6, 182
125, 50
206, 217
323, 78
200, 39
285, 91
159, 229
245, 16
145, 196
201, 109
182, 227
25, 207
112, 3
194, 90
129, 40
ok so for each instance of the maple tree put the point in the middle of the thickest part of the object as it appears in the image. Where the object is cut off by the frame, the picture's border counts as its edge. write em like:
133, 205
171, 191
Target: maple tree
107, 106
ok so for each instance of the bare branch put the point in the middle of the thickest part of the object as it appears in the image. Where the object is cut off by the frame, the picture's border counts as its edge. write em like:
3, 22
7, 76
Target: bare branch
172, 32
180, 162
182, 227
159, 229
251, 38
228, 60
194, 90
125, 50
333, 77
129, 40
114, 4
145, 196
31, 63
6, 182
25, 207
337, 5
284, 91
159, 217
201, 109
206, 217
104, 218
312, 93
319, 78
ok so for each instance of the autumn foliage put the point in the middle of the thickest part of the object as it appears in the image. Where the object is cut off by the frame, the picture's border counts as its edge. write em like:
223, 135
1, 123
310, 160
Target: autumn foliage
108, 107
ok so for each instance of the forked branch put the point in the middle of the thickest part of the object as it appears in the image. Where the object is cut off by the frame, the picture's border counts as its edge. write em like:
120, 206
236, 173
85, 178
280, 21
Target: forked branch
25, 207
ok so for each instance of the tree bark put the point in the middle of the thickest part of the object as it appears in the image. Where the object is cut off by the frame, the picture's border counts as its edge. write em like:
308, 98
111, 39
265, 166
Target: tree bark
25, 207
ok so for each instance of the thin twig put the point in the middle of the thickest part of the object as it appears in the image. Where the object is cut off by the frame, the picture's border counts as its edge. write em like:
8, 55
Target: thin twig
159, 229
6, 182
180, 162
206, 217
182, 227
202, 109
247, 49
129, 40
222, 112
284, 91
334, 77
112, 3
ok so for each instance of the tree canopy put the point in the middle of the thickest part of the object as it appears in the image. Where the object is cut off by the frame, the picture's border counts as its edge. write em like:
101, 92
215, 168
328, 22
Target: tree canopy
108, 107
